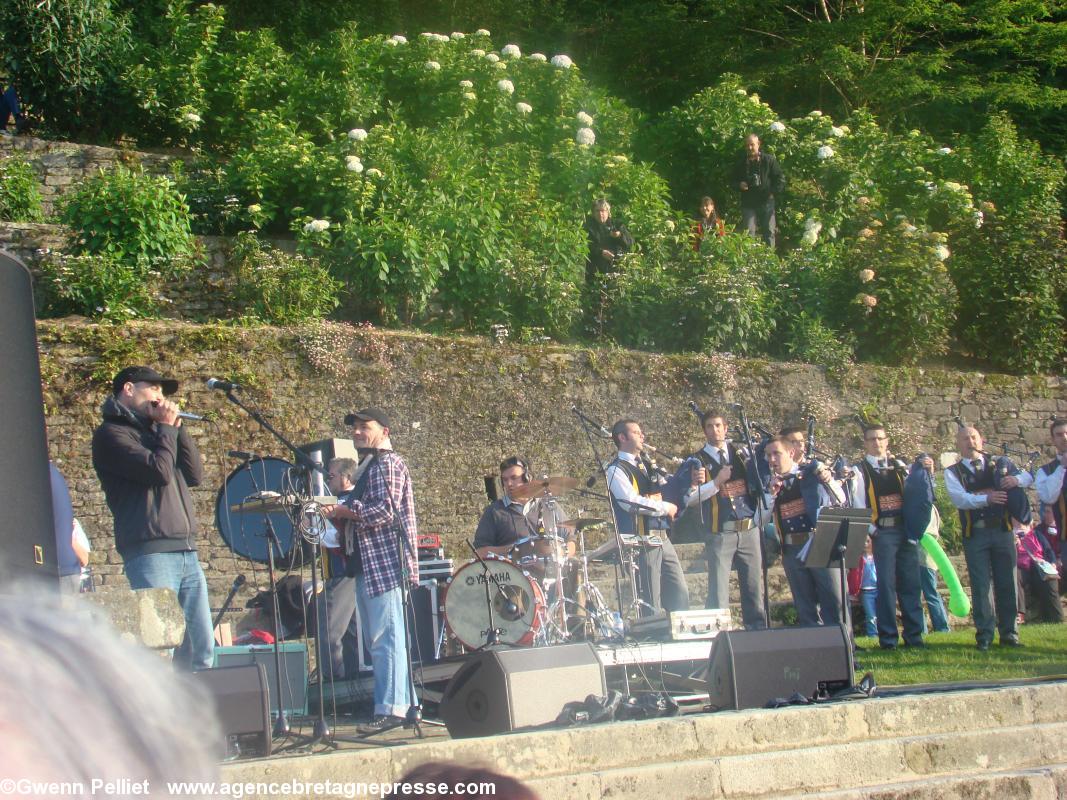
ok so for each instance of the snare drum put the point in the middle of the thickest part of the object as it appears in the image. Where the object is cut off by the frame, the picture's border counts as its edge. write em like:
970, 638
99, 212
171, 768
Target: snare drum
467, 616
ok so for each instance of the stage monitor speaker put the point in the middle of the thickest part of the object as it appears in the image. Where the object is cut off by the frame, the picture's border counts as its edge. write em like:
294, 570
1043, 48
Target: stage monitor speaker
294, 660
27, 535
241, 705
501, 690
749, 668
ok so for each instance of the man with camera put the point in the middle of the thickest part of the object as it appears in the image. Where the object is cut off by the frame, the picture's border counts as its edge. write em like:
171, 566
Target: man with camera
759, 177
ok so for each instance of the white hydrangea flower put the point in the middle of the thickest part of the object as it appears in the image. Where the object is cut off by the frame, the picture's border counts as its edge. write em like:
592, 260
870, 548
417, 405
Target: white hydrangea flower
942, 252
458, 35
511, 51
523, 108
492, 57
192, 118
741, 92
562, 62
846, 129
815, 113
428, 35
374, 172
392, 42
398, 39
754, 98
812, 227
353, 164
506, 86
357, 134
952, 186
824, 152
585, 137
500, 64
620, 159
481, 32
465, 84
836, 131
538, 57
255, 208
316, 226
777, 127
583, 118
944, 150
442, 38
431, 66
931, 187
477, 51
670, 224
470, 96
979, 219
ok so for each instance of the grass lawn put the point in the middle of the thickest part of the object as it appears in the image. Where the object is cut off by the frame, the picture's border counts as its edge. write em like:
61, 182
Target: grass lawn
950, 657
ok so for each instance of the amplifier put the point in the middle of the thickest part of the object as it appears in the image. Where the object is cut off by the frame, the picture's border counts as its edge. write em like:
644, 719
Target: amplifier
438, 569
294, 659
700, 623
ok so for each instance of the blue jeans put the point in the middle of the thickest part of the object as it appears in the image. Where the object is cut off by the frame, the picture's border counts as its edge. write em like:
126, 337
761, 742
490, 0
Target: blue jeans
870, 611
934, 604
897, 560
182, 573
382, 618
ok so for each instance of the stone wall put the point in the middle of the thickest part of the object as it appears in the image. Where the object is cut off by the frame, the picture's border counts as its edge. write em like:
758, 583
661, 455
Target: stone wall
459, 405
60, 165
202, 294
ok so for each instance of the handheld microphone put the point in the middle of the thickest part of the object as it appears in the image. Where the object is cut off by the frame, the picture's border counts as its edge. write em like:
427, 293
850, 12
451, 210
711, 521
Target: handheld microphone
226, 386
189, 416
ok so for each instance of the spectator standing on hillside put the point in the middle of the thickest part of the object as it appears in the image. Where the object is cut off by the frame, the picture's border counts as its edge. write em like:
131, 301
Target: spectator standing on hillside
708, 223
10, 107
607, 240
760, 180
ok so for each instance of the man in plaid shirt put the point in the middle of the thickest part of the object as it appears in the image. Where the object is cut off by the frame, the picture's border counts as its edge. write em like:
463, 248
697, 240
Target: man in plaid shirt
379, 521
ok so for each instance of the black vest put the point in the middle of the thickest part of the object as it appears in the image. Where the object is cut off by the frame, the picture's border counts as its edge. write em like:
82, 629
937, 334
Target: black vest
885, 491
973, 483
733, 500
792, 513
629, 521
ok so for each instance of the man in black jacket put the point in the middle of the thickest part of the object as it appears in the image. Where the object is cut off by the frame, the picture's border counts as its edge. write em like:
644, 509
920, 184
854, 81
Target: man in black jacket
759, 178
607, 241
146, 462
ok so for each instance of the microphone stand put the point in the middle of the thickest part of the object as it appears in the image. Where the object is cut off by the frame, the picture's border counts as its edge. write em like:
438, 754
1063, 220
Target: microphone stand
492, 635
309, 466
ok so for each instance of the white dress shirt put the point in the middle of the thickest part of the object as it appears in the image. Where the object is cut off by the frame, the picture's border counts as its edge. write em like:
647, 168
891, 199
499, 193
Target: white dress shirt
1049, 486
967, 501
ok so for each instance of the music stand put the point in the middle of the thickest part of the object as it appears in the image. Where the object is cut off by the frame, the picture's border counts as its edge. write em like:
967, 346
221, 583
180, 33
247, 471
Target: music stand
838, 541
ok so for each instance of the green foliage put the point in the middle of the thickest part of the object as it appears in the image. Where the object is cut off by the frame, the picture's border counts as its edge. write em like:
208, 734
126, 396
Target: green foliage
99, 285
20, 200
280, 288
808, 339
894, 293
137, 218
65, 56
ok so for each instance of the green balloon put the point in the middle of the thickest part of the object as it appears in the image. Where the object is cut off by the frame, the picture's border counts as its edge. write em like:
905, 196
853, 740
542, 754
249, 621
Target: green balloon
958, 602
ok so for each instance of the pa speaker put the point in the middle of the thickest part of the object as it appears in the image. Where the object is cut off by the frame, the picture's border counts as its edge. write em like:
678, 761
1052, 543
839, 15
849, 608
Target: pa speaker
498, 691
749, 668
241, 705
27, 535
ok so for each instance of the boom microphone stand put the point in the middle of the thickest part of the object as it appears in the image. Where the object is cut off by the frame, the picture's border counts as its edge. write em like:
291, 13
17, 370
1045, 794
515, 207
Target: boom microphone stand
309, 466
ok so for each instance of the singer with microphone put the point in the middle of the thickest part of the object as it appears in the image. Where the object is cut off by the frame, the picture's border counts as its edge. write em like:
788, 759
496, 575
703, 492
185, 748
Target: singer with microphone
879, 485
146, 462
640, 510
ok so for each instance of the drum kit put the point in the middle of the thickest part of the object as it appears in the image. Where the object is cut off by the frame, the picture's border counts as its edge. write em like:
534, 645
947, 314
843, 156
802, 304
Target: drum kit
542, 593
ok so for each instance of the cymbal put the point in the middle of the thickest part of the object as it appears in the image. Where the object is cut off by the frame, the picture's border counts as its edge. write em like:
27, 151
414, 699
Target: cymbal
556, 484
580, 523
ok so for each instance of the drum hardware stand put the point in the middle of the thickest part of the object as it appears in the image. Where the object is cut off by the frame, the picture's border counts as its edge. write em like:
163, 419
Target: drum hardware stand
560, 603
602, 627
492, 635
321, 730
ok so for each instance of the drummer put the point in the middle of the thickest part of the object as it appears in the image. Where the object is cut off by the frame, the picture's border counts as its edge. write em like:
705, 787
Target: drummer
507, 521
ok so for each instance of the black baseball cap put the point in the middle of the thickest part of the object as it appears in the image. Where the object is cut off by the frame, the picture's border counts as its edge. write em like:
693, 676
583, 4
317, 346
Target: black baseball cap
145, 374
367, 414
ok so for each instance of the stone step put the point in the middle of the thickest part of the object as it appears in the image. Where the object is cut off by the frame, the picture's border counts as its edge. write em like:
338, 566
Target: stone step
1045, 783
753, 753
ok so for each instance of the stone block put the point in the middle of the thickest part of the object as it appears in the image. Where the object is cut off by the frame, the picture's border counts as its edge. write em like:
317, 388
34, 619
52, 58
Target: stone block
684, 780
152, 617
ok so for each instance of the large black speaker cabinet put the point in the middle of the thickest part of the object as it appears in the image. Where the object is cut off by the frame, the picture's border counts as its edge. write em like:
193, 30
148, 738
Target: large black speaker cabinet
241, 705
27, 535
750, 668
498, 691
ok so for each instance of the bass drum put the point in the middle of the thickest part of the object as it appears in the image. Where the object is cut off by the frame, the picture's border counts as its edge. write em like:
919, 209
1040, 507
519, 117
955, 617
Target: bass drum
467, 616
246, 534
